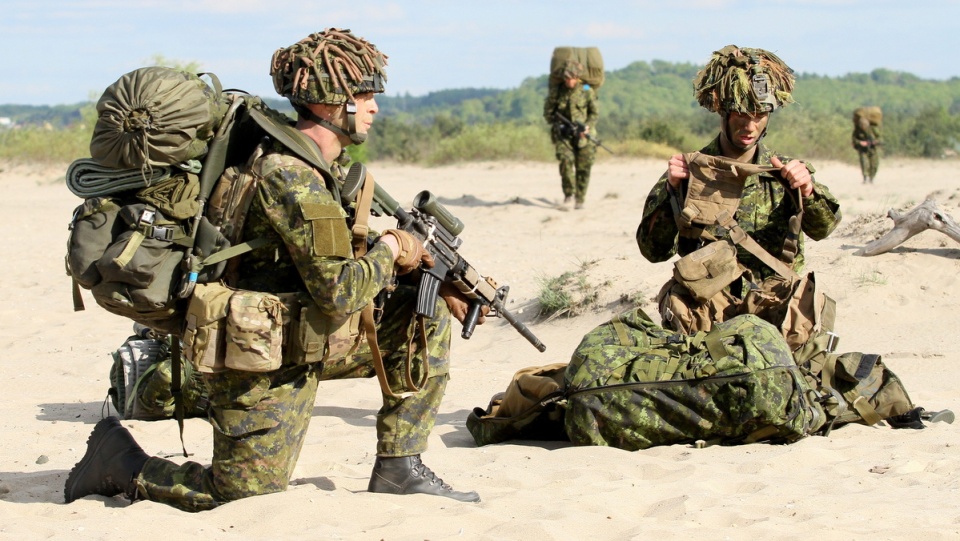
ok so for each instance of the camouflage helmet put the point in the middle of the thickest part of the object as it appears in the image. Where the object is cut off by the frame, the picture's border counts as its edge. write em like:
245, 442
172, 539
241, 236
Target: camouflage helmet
743, 80
328, 67
571, 69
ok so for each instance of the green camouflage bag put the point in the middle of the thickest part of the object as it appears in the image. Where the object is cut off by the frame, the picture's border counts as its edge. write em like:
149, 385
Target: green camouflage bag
632, 384
141, 381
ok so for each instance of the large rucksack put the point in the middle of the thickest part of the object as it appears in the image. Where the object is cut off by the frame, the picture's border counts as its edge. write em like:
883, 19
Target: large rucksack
632, 384
867, 116
589, 57
165, 191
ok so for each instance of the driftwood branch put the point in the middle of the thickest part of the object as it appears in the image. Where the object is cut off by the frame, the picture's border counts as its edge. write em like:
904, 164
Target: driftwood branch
926, 216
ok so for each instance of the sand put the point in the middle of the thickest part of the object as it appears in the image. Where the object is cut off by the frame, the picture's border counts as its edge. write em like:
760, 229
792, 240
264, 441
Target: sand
859, 483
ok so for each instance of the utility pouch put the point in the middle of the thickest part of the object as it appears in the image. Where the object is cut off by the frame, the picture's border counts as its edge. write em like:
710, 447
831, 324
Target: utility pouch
708, 270
203, 344
253, 331
317, 337
797, 307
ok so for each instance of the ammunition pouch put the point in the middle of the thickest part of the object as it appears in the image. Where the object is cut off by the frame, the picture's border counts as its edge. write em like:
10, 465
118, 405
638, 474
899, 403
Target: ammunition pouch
313, 336
705, 272
796, 305
684, 314
255, 331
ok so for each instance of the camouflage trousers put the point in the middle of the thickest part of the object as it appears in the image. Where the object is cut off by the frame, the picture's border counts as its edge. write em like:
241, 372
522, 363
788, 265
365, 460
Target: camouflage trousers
869, 162
575, 165
260, 419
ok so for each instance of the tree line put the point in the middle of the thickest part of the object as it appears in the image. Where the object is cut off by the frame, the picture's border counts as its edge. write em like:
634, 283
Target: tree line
647, 109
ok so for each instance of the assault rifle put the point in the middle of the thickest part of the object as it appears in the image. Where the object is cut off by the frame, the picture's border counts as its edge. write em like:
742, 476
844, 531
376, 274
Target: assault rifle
578, 129
430, 222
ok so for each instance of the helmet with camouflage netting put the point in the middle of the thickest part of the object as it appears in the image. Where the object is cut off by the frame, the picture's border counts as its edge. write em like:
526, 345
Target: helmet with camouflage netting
328, 67
743, 80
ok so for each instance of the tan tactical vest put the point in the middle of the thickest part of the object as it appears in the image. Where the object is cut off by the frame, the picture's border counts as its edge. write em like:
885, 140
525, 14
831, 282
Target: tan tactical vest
714, 190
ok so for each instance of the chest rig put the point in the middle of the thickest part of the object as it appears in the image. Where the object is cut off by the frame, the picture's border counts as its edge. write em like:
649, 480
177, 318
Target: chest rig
712, 197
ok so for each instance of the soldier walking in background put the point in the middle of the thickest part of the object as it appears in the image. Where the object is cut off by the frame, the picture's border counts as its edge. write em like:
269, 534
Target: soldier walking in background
866, 139
571, 109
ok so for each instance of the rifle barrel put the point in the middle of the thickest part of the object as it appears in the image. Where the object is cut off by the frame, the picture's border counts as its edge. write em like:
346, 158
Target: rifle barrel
520, 327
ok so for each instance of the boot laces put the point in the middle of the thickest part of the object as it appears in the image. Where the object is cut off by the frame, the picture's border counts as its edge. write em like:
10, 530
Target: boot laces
422, 471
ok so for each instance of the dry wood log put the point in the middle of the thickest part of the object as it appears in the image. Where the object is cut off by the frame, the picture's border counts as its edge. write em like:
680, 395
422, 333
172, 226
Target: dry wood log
925, 216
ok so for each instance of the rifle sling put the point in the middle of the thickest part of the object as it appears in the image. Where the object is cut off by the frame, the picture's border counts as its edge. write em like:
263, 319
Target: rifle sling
360, 231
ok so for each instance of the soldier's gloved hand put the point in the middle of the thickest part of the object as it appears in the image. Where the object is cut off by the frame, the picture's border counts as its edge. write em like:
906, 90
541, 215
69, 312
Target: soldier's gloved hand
409, 253
459, 304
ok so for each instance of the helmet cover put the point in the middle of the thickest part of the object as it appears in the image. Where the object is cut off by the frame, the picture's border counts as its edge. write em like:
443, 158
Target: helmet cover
328, 67
743, 80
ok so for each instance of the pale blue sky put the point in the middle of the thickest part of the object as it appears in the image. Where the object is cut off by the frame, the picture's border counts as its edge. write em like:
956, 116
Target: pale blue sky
65, 51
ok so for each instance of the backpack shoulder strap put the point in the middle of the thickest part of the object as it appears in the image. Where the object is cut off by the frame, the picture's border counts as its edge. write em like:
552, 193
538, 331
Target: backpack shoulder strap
279, 127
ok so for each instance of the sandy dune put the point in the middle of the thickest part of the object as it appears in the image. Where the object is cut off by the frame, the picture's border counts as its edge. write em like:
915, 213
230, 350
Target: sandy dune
858, 483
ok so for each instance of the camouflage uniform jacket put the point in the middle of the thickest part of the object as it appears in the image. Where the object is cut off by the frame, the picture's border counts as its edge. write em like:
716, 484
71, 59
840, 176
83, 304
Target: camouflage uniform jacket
311, 249
578, 104
870, 136
764, 211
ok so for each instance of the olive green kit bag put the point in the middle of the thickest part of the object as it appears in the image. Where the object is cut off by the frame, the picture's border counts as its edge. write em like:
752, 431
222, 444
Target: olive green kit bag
143, 237
165, 193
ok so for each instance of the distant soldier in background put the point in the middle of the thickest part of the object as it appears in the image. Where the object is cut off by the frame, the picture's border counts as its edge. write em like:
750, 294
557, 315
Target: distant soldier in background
571, 109
866, 139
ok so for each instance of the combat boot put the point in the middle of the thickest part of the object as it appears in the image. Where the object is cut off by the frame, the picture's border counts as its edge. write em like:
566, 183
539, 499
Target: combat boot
910, 419
409, 475
112, 461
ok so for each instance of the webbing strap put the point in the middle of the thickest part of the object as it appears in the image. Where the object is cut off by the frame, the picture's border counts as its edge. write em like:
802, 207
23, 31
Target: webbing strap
715, 345
741, 238
77, 299
421, 331
859, 402
672, 364
863, 407
370, 329
301, 145
235, 250
359, 231
623, 336
360, 227
176, 387
133, 243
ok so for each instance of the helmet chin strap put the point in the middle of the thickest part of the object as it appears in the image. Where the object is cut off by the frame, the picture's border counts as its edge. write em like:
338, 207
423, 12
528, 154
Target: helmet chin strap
351, 131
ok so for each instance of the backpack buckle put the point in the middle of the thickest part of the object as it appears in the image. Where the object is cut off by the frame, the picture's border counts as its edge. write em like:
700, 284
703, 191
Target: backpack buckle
832, 340
161, 232
148, 215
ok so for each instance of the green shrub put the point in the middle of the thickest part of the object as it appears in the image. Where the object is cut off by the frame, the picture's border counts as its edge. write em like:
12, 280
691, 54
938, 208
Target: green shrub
499, 141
